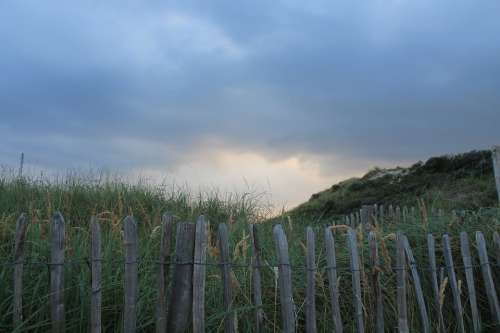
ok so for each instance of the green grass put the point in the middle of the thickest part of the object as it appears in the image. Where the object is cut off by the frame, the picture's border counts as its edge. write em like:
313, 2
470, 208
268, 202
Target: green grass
78, 198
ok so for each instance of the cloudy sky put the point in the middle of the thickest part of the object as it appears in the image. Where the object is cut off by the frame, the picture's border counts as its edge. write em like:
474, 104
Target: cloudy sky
285, 96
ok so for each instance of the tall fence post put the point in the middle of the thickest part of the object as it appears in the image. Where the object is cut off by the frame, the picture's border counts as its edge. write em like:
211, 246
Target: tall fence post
453, 283
96, 270
356, 280
311, 282
167, 223
225, 266
331, 262
401, 284
21, 227
469, 276
130, 284
431, 248
284, 280
495, 154
256, 279
375, 264
181, 298
199, 273
487, 277
57, 274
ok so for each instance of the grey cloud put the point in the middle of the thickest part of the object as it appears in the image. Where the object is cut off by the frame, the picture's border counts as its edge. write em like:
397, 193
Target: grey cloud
137, 84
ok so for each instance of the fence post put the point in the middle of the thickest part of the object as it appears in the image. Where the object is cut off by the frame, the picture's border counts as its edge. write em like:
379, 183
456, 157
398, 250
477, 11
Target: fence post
331, 262
495, 154
469, 276
311, 282
375, 264
356, 280
167, 223
130, 284
96, 269
401, 284
199, 273
256, 279
284, 280
181, 298
487, 277
225, 265
57, 274
418, 287
431, 248
21, 227
453, 283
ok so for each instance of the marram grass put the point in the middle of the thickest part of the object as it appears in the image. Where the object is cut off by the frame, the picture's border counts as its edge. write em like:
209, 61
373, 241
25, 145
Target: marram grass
78, 199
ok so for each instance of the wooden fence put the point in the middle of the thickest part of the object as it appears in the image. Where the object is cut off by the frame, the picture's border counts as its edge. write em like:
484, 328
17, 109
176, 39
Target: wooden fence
189, 261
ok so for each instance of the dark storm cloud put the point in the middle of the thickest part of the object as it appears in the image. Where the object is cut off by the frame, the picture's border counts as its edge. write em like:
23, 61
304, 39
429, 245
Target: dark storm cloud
135, 84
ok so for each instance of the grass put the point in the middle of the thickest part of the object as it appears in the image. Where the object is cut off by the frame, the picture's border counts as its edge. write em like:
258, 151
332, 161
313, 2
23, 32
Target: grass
111, 199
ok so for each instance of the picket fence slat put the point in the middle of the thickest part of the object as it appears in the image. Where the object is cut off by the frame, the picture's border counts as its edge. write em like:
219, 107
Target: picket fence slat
199, 274
376, 285
356, 280
179, 309
167, 223
469, 276
57, 274
431, 251
284, 280
457, 303
131, 277
256, 279
331, 262
496, 240
20, 237
311, 282
96, 271
401, 284
487, 277
225, 266
418, 287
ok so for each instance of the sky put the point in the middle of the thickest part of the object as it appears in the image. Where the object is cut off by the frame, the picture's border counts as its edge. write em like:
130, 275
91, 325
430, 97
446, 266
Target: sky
287, 97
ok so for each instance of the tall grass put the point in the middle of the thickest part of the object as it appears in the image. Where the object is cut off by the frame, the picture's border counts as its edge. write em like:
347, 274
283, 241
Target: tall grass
78, 198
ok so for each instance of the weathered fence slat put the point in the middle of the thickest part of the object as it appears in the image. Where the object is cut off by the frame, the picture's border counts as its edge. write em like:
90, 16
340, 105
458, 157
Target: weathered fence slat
401, 284
356, 280
131, 278
426, 326
495, 155
453, 283
496, 240
375, 264
256, 279
21, 227
199, 273
225, 266
182, 281
167, 223
487, 277
469, 276
284, 280
431, 248
331, 262
96, 270
57, 274
311, 282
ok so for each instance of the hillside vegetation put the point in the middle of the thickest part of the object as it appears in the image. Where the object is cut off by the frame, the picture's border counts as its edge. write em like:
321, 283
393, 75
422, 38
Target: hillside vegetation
459, 181
462, 181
